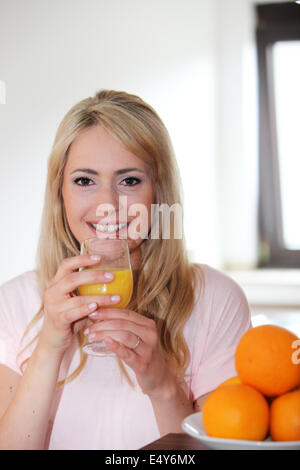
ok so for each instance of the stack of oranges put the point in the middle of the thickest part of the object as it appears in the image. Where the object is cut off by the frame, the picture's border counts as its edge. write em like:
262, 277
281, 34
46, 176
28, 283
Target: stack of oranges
264, 398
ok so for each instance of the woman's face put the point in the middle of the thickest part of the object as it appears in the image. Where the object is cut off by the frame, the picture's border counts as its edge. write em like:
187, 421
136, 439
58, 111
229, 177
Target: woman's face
99, 171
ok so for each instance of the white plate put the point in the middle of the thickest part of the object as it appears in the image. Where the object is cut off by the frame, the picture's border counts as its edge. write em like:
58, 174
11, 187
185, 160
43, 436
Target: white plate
193, 426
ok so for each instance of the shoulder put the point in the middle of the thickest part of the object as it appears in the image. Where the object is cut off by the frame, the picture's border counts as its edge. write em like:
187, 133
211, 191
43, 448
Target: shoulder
24, 284
218, 297
28, 278
20, 301
21, 295
214, 284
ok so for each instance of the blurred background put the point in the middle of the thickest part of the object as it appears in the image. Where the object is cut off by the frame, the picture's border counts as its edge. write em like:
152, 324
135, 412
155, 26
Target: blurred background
223, 75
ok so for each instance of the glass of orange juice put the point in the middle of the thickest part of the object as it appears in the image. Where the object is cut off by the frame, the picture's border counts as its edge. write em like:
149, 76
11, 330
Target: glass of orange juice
114, 257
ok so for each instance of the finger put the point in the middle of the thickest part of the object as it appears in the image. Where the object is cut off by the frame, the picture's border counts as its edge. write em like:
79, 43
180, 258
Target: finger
128, 327
119, 349
129, 356
129, 315
77, 279
68, 265
86, 300
127, 339
75, 314
86, 308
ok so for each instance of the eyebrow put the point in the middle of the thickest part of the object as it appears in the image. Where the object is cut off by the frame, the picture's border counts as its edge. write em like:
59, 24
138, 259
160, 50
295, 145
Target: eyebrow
118, 172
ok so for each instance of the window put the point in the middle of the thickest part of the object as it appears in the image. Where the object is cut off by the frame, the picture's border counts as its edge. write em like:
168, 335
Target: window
278, 45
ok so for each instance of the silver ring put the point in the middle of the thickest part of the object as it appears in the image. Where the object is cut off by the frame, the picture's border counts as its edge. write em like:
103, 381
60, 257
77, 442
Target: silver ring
137, 343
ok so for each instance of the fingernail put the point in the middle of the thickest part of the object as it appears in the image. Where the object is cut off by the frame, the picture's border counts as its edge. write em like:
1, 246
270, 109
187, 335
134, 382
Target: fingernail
92, 336
109, 275
93, 305
95, 258
92, 315
108, 340
86, 332
115, 298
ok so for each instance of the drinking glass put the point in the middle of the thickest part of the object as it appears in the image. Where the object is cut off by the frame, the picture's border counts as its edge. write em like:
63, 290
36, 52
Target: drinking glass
114, 257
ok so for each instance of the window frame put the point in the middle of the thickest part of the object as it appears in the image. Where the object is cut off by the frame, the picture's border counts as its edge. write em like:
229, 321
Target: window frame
275, 22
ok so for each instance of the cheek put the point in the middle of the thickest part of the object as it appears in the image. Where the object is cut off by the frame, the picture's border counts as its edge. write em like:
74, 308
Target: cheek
68, 203
149, 201
75, 206
141, 223
144, 198
148, 196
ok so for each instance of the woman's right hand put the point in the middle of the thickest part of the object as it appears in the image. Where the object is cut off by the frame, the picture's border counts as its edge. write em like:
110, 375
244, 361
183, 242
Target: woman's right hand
62, 309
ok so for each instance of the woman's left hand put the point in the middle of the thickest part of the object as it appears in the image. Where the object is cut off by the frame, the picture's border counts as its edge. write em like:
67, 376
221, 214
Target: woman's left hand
134, 339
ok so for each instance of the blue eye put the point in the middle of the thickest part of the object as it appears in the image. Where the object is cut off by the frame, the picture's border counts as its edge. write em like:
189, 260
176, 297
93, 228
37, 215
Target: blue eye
83, 181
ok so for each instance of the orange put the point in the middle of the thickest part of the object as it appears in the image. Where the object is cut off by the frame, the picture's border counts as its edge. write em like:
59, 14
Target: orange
236, 411
285, 417
263, 359
232, 380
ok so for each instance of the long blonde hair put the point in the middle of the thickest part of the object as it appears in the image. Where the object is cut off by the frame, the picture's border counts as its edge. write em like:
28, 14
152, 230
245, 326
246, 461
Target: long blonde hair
164, 290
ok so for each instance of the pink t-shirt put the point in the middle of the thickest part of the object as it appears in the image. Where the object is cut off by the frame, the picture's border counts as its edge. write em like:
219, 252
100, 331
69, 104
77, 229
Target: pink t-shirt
99, 409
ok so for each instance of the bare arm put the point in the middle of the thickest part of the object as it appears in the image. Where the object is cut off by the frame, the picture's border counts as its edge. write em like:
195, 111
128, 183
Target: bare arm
170, 407
24, 423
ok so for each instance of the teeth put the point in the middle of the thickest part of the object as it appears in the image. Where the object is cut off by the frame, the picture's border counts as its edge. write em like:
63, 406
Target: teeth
109, 228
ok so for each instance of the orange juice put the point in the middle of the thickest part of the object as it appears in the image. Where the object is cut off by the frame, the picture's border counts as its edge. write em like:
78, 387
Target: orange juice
122, 285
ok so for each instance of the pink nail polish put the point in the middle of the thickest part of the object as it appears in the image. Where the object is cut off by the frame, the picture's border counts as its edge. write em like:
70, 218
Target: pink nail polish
109, 340
109, 275
95, 258
94, 314
92, 305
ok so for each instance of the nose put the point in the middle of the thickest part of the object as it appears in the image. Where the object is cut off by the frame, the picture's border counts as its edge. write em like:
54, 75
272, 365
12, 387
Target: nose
107, 201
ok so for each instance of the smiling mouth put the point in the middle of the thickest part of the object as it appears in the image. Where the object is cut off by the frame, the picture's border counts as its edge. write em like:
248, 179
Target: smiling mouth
109, 228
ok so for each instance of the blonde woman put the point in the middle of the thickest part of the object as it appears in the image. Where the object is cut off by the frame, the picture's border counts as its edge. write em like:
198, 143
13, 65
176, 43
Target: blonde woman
173, 344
